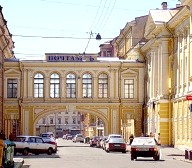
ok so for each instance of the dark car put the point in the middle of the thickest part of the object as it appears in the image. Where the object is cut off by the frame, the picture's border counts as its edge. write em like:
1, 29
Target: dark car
116, 144
93, 141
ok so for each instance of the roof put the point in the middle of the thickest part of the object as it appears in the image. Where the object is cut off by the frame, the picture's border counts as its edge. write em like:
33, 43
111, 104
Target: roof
162, 16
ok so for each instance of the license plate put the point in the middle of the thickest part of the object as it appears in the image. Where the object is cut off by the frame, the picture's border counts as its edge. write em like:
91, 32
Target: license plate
143, 149
116, 145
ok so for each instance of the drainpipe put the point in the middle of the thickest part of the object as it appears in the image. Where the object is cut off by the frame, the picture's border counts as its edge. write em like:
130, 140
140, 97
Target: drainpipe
21, 94
119, 93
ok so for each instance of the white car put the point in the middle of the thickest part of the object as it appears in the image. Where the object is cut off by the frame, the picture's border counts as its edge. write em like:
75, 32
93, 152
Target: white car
145, 147
34, 144
78, 138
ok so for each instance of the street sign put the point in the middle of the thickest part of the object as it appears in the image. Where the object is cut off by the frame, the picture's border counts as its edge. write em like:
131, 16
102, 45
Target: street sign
189, 97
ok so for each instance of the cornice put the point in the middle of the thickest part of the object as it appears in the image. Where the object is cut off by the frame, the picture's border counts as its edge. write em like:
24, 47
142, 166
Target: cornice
179, 17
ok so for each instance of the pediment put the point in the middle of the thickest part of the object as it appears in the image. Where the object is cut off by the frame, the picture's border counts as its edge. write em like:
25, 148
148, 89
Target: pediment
130, 71
150, 25
11, 71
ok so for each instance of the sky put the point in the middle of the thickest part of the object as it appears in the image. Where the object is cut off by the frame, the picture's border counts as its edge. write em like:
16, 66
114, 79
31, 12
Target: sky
69, 26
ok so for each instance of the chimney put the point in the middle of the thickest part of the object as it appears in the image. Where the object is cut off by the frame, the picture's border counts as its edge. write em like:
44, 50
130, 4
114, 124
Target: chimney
164, 5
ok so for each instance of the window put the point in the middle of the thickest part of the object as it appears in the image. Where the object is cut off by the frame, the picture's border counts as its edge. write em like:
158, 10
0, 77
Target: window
43, 121
51, 120
12, 88
59, 120
87, 85
74, 120
39, 140
66, 120
71, 86
129, 88
54, 86
103, 86
38, 85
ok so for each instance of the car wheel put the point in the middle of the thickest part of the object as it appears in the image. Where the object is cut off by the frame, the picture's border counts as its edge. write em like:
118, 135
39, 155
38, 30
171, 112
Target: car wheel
124, 151
107, 150
133, 157
50, 151
156, 157
25, 152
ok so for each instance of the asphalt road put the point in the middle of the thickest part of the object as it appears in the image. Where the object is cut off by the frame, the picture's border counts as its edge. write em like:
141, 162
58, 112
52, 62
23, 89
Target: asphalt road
79, 155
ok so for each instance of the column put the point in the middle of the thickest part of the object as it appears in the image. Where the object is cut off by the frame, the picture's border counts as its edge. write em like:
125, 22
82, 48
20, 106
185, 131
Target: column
95, 87
46, 87
164, 82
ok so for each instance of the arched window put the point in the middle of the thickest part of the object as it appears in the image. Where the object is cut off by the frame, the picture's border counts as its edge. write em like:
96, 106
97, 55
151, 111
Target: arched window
103, 86
87, 85
54, 85
71, 86
39, 85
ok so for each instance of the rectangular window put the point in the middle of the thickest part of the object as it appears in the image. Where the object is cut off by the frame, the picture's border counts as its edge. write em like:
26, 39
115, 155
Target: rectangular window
59, 120
66, 120
74, 120
12, 88
129, 88
51, 120
43, 121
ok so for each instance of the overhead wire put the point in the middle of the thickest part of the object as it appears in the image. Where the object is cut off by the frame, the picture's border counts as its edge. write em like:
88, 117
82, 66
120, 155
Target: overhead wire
105, 22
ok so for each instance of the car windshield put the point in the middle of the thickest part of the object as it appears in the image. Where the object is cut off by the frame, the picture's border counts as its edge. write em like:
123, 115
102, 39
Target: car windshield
143, 141
116, 140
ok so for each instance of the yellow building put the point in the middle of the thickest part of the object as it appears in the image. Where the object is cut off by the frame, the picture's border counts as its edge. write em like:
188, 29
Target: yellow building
108, 88
168, 79
6, 51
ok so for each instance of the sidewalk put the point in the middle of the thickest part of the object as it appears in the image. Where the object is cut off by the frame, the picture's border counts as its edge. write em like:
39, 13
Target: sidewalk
175, 153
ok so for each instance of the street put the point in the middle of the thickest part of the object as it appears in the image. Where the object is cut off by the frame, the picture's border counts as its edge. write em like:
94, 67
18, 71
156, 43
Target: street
79, 155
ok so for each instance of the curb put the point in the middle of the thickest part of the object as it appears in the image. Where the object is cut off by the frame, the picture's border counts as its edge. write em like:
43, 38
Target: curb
184, 160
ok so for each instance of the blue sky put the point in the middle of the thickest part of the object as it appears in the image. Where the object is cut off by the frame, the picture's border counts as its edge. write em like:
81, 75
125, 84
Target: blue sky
65, 26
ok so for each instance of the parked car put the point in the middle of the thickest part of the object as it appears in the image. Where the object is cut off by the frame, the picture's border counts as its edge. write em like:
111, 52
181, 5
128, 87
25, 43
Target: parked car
47, 134
51, 140
145, 147
33, 144
94, 140
78, 138
102, 141
67, 136
116, 144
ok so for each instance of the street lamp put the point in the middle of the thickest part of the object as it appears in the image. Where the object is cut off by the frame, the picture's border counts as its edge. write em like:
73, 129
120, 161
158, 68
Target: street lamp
98, 37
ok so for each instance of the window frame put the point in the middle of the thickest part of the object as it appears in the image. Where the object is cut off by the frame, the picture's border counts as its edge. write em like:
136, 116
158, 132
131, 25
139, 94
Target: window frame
102, 83
39, 90
55, 85
87, 85
11, 91
129, 93
71, 85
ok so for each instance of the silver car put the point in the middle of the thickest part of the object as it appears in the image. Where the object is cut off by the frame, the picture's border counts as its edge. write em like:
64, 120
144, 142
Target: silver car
145, 147
78, 138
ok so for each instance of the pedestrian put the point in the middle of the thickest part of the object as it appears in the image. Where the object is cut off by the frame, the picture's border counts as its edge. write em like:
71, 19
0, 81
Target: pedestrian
11, 136
151, 134
131, 137
2, 135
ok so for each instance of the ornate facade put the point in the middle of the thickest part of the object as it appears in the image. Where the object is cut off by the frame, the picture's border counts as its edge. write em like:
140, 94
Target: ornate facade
110, 89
